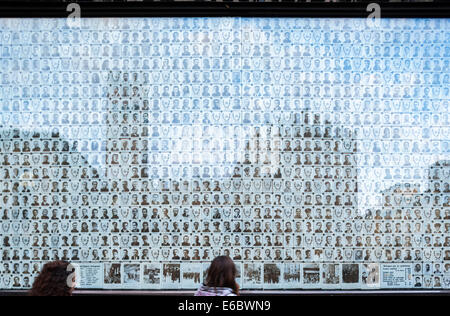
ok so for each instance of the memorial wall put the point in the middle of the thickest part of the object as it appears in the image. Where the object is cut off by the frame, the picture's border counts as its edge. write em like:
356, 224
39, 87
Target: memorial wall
314, 152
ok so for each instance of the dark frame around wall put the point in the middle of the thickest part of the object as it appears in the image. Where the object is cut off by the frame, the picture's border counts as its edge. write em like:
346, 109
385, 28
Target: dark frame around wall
47, 9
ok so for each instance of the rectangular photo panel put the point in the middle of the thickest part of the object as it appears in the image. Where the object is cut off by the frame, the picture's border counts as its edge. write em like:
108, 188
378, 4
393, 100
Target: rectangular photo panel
292, 275
171, 275
90, 275
151, 275
399, 275
112, 275
331, 275
311, 275
253, 276
273, 275
370, 276
191, 275
132, 275
350, 275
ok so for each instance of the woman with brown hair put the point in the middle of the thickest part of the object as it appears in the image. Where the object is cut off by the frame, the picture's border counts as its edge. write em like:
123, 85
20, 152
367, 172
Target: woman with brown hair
55, 279
221, 279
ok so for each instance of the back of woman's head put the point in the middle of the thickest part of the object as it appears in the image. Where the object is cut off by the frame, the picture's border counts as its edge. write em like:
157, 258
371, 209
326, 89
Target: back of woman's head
53, 280
222, 273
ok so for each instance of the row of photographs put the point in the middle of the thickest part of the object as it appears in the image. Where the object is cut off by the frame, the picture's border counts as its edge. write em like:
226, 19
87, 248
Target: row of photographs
292, 107
133, 200
199, 162
347, 93
189, 152
50, 201
221, 108
265, 230
285, 220
191, 54
170, 152
434, 239
165, 250
191, 50
280, 221
248, 225
178, 125
10, 234
386, 213
234, 80
403, 84
12, 184
188, 130
274, 275
252, 135
240, 60
173, 153
259, 150
268, 232
210, 171
180, 150
320, 45
197, 199
391, 107
249, 88
252, 89
224, 168
322, 232
252, 145
252, 142
253, 94
237, 199
88, 180
317, 195
172, 128
92, 68
209, 165
432, 208
190, 47
156, 25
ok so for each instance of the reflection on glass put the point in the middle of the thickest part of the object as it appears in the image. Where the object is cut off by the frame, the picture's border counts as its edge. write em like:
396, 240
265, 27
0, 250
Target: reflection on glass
314, 152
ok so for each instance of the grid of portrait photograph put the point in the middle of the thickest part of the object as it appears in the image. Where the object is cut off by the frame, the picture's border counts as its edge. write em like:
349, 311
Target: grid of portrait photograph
313, 152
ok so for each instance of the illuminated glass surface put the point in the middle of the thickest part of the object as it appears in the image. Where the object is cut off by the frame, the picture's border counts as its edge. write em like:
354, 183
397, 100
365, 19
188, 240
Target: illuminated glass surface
314, 152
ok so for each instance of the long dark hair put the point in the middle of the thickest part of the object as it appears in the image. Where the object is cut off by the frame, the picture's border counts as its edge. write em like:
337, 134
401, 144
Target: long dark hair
222, 273
52, 280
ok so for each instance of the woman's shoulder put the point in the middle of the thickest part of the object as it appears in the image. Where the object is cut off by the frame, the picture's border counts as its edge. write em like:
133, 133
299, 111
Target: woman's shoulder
212, 291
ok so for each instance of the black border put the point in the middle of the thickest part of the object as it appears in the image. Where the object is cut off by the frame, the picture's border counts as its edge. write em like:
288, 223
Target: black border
46, 9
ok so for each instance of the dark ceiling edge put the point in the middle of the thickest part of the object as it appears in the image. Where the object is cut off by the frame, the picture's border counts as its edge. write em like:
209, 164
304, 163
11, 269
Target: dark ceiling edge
18, 9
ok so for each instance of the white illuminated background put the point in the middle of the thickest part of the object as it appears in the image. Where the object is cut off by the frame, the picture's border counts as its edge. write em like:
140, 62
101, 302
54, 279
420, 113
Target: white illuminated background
388, 85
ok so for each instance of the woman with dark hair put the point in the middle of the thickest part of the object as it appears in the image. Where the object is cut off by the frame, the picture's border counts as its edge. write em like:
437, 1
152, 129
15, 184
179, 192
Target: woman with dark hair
221, 279
55, 279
